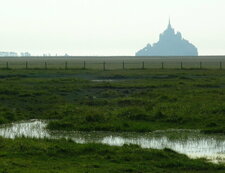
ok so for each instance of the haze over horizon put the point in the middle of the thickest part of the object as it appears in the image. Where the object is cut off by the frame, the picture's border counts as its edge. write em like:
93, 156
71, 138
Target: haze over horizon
108, 27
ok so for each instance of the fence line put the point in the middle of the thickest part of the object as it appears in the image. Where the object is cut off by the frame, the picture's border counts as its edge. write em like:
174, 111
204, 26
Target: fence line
124, 65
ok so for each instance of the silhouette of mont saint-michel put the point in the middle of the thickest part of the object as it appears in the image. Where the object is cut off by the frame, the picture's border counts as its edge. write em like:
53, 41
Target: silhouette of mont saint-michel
169, 44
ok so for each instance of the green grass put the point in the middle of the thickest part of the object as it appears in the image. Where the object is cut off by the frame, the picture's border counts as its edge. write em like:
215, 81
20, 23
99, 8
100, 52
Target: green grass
59, 156
137, 101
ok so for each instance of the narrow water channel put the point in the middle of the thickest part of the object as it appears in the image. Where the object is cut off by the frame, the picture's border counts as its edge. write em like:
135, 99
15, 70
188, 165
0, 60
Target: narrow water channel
192, 143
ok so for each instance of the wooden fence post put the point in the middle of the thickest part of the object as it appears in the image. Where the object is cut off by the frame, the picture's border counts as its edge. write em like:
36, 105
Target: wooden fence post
26, 65
143, 65
46, 67
66, 65
84, 65
104, 66
7, 65
162, 65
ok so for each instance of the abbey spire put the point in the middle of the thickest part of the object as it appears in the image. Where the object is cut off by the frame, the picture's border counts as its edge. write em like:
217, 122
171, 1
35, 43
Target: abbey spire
169, 25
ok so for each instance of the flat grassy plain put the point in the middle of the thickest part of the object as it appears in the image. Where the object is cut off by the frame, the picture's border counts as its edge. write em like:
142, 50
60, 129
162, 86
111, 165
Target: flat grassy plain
61, 156
117, 101
128, 100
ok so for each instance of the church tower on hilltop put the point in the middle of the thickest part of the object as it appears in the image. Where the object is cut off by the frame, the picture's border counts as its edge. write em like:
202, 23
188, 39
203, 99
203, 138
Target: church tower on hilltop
170, 44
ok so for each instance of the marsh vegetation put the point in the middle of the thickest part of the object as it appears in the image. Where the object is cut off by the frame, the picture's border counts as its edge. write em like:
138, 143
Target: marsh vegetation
134, 101
120, 101
190, 142
35, 155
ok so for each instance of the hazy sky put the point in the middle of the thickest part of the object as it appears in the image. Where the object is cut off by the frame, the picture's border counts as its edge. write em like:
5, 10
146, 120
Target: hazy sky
108, 27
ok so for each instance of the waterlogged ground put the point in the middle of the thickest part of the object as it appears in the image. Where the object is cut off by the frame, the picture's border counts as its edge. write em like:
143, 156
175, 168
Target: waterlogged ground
190, 142
128, 106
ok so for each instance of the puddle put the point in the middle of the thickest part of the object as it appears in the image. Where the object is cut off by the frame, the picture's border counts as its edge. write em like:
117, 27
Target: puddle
189, 142
104, 80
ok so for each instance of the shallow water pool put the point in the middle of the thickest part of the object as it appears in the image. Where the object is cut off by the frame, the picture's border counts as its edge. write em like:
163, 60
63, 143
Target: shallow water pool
189, 142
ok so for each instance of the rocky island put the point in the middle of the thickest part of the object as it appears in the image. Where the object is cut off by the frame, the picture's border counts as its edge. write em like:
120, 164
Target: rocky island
169, 44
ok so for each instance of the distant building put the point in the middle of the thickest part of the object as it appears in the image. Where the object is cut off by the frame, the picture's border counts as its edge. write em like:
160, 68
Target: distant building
46, 54
25, 54
7, 54
169, 44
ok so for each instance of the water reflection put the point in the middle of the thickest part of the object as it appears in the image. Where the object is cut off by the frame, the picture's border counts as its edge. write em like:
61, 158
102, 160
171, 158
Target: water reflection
103, 80
191, 143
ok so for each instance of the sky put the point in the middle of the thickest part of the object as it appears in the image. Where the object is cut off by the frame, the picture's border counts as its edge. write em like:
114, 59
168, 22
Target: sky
108, 27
